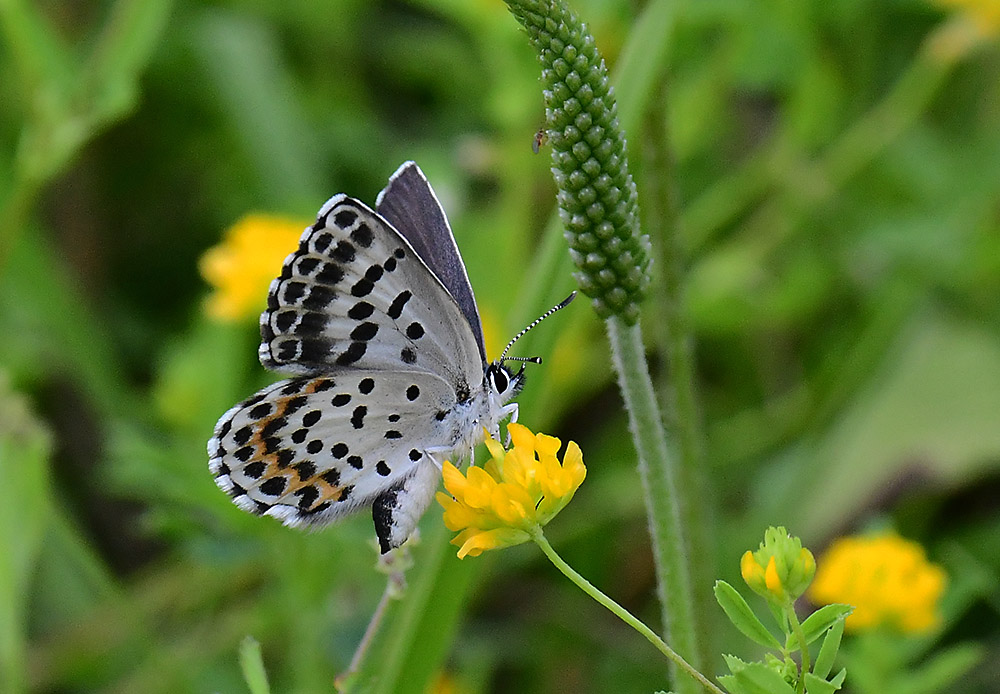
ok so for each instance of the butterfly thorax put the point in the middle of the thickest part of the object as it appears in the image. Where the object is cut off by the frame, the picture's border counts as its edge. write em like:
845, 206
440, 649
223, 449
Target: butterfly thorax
483, 409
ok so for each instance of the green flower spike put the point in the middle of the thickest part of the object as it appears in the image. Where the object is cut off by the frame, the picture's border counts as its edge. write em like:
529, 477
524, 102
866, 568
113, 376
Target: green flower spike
597, 198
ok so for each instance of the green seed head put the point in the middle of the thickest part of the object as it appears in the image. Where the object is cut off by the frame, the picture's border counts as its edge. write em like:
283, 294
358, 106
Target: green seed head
597, 198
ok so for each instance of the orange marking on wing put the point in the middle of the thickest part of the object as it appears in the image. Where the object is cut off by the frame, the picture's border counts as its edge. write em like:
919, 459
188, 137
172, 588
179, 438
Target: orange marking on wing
327, 491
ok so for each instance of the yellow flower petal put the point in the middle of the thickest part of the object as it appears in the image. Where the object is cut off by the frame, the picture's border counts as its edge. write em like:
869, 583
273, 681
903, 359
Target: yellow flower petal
772, 579
240, 268
495, 447
516, 492
521, 437
886, 578
476, 543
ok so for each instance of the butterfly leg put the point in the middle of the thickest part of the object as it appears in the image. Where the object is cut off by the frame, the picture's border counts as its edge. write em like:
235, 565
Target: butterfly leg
508, 410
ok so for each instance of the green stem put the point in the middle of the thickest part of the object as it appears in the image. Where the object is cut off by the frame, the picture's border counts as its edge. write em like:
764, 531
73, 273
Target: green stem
661, 219
623, 614
803, 646
659, 472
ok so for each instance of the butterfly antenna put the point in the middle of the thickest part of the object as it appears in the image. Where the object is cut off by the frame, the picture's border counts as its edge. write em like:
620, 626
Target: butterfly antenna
534, 360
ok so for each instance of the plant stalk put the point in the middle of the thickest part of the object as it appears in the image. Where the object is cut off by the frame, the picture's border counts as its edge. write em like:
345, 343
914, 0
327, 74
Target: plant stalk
623, 614
659, 473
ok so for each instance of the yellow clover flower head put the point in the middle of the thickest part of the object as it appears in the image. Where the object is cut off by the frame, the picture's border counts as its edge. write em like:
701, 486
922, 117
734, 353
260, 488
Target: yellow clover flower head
970, 24
781, 569
241, 267
514, 494
887, 578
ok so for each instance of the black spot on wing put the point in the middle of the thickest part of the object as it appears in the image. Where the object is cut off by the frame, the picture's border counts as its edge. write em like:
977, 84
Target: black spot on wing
358, 416
366, 331
360, 310
319, 298
344, 252
345, 218
274, 486
363, 287
285, 457
273, 427
260, 411
307, 496
362, 235
395, 309
352, 353
305, 470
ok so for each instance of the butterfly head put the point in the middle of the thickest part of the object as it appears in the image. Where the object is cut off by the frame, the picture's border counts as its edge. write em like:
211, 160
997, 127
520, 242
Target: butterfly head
505, 383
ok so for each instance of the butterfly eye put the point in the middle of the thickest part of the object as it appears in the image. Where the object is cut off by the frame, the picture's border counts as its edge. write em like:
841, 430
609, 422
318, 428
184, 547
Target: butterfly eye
499, 379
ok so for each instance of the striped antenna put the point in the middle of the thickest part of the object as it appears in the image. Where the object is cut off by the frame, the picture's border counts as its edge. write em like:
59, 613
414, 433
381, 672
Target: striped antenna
534, 360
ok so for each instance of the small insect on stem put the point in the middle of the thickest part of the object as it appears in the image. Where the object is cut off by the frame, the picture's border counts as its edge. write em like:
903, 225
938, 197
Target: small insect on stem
541, 137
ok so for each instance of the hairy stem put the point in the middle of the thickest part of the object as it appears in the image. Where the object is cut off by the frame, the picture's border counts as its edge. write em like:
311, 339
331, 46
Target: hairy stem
623, 614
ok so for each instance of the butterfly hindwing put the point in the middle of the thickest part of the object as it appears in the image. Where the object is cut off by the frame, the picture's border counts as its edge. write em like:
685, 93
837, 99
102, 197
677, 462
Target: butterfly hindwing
309, 450
356, 294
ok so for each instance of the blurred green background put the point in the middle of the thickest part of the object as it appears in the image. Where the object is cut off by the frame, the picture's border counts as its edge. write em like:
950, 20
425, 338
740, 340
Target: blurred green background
837, 167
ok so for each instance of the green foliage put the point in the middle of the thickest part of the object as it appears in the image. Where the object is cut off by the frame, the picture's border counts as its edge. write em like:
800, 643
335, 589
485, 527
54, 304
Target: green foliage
837, 194
774, 674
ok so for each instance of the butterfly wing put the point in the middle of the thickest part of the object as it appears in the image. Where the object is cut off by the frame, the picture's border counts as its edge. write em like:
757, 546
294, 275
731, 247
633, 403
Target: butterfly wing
384, 353
408, 203
356, 294
309, 450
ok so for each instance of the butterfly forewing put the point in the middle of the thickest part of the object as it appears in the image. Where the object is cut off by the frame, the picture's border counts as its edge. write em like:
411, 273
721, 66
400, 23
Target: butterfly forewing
408, 203
356, 294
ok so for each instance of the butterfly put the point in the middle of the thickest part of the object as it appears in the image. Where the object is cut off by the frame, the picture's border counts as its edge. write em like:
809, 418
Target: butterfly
374, 319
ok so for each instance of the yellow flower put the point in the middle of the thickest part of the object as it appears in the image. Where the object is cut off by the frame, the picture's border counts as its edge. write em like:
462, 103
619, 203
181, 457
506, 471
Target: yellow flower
514, 494
888, 580
972, 22
781, 569
241, 267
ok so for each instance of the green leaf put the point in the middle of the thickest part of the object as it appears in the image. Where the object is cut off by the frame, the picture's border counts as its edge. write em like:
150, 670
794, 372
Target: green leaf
828, 651
822, 619
742, 617
818, 685
24, 452
403, 656
758, 678
841, 676
252, 666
